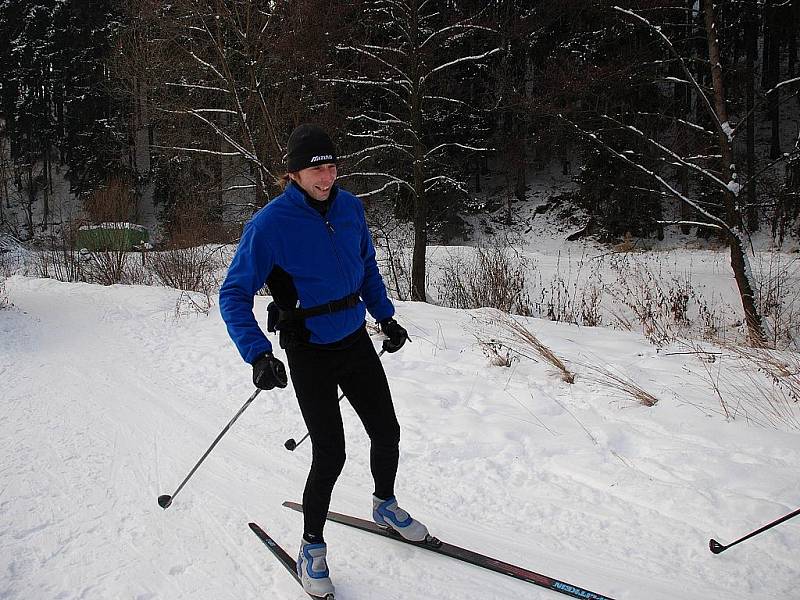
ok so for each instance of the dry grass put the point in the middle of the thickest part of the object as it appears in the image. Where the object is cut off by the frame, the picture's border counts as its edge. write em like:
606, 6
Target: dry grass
4, 301
627, 290
492, 278
191, 269
192, 303
777, 297
396, 264
621, 383
498, 354
518, 338
759, 385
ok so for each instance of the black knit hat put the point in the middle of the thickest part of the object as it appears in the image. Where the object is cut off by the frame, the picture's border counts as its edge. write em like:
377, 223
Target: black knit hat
308, 146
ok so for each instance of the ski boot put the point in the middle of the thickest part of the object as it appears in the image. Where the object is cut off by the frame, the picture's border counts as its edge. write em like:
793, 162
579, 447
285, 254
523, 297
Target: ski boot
312, 569
388, 515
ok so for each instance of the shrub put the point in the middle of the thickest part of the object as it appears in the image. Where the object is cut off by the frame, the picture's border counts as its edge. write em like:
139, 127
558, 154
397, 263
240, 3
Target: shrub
493, 278
777, 297
4, 301
191, 269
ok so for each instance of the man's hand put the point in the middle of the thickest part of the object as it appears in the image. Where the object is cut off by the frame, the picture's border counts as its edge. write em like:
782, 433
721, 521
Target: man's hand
396, 334
269, 372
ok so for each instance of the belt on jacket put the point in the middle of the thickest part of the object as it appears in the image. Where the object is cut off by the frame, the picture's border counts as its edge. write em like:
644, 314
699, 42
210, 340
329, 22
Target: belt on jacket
300, 314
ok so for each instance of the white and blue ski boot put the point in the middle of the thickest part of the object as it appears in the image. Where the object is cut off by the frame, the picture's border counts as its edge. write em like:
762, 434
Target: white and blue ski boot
387, 514
312, 568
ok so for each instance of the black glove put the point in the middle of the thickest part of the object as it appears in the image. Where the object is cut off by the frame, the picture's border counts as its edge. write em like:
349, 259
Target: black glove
269, 372
396, 334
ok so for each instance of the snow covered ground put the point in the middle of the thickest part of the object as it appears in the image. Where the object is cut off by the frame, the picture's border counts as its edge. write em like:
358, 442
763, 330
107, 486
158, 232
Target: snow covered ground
108, 399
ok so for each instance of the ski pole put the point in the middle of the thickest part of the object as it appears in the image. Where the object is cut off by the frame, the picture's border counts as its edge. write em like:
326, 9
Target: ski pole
290, 444
716, 547
165, 500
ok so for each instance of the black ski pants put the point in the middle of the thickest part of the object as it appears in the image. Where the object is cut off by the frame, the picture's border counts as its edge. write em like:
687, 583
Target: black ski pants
357, 370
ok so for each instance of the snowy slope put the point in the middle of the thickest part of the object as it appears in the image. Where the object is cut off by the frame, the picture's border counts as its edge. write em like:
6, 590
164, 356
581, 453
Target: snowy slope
108, 400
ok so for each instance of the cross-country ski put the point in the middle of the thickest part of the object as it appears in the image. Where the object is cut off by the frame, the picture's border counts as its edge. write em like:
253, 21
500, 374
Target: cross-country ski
282, 556
464, 555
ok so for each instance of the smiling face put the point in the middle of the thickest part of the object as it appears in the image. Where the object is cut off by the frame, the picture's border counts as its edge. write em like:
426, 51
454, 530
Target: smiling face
316, 181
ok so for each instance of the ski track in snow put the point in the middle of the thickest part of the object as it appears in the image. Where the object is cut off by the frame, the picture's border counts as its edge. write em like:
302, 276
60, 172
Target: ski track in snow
109, 400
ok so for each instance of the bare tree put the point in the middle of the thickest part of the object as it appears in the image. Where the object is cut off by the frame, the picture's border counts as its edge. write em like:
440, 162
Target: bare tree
409, 69
217, 85
724, 179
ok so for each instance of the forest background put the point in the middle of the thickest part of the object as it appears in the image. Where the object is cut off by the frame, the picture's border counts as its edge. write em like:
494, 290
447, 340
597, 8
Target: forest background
658, 118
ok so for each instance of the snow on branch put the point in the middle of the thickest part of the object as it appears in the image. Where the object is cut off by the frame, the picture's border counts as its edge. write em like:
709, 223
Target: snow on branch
384, 85
676, 157
689, 76
690, 224
404, 9
197, 150
783, 83
694, 126
375, 136
388, 184
392, 181
594, 138
456, 144
463, 26
208, 88
222, 133
446, 99
207, 65
432, 182
215, 110
703, 157
392, 120
391, 146
786, 156
404, 78
463, 59
387, 48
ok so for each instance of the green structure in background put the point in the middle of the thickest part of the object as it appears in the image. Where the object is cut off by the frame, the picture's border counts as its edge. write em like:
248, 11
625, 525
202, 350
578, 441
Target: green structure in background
112, 236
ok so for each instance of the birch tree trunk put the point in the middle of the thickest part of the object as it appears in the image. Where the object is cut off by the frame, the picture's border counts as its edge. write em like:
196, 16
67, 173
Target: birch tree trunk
739, 262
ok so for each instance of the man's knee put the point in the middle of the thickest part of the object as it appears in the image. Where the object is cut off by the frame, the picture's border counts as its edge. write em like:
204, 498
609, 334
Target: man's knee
387, 437
328, 462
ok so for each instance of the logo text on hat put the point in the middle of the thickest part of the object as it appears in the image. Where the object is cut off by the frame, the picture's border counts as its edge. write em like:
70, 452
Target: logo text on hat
320, 157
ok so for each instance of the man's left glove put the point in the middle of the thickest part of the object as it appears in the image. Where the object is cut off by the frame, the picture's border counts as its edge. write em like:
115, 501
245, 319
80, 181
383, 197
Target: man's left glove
269, 372
396, 334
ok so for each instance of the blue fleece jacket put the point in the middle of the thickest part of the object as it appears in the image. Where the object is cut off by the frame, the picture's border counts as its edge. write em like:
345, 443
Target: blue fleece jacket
327, 258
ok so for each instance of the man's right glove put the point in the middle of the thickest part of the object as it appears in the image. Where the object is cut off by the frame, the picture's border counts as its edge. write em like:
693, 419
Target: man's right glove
269, 372
396, 334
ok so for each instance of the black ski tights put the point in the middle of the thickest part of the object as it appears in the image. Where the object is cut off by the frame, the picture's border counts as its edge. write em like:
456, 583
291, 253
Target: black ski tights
357, 370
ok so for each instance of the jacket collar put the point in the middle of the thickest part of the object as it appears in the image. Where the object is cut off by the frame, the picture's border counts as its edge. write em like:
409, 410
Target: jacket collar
300, 197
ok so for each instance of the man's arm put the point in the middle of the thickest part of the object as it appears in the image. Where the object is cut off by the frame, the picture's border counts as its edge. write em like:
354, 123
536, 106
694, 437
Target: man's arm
249, 269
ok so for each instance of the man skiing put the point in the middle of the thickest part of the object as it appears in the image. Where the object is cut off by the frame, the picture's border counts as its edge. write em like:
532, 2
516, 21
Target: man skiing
312, 247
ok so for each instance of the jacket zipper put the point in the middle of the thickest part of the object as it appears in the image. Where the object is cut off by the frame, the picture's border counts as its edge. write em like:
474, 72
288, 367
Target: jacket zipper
331, 231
